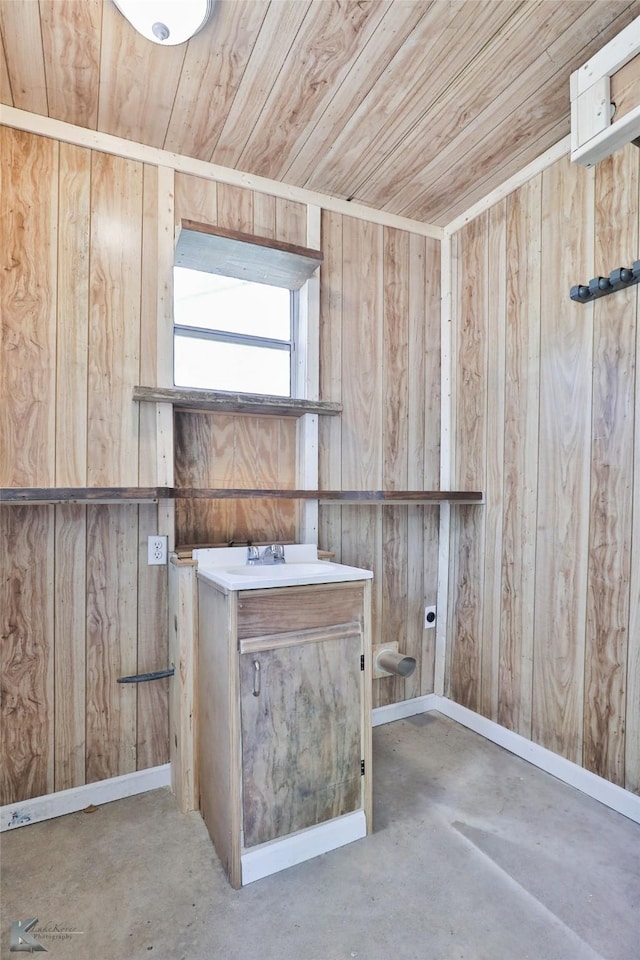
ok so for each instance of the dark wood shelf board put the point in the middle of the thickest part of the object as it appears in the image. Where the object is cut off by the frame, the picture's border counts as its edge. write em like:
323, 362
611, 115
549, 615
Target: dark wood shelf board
30, 496
334, 496
249, 403
33, 496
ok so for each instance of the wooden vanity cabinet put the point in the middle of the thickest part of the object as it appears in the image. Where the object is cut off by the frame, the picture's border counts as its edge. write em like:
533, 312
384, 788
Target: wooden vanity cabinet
284, 722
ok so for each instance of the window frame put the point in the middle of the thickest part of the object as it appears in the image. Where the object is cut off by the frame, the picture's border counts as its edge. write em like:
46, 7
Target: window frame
229, 253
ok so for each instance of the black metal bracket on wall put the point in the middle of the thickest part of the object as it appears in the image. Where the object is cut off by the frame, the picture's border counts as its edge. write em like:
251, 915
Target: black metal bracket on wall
144, 677
598, 287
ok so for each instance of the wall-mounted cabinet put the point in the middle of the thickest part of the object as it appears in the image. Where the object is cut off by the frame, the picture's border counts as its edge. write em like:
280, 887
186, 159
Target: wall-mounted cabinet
605, 99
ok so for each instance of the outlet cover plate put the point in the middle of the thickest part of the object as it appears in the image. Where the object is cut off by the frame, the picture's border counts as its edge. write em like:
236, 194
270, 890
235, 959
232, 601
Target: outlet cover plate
430, 614
157, 550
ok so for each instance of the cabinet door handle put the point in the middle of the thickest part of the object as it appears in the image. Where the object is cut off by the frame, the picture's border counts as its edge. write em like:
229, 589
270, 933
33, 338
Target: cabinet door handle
256, 678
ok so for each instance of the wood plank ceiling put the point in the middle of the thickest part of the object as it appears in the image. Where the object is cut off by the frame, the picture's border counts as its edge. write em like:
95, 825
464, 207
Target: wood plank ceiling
418, 107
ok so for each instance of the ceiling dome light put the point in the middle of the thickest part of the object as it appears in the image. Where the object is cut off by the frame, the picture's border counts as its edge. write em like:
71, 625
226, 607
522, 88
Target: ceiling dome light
168, 22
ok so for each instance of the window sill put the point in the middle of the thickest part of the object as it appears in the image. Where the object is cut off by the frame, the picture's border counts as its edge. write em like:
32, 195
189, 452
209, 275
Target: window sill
249, 403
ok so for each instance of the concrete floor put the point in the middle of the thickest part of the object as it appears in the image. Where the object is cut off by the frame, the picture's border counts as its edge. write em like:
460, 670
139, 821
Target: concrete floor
476, 855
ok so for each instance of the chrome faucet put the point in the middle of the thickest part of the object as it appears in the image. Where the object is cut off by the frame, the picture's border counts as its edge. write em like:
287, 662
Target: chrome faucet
271, 554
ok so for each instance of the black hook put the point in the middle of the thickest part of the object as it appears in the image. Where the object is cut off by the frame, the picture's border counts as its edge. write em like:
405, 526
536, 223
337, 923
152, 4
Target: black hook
600, 286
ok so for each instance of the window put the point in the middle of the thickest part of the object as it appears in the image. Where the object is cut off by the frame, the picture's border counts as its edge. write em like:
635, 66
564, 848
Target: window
233, 335
236, 311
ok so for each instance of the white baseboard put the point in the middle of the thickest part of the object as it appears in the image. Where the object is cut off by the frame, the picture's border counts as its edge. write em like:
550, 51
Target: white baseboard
117, 788
611, 795
77, 798
404, 709
277, 855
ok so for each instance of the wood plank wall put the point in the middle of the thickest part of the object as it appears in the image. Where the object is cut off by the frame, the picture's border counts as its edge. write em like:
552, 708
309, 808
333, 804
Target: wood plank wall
78, 604
545, 578
380, 357
216, 450
82, 324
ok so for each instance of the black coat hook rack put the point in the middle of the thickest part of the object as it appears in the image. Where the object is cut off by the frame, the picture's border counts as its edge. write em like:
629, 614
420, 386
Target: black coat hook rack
602, 286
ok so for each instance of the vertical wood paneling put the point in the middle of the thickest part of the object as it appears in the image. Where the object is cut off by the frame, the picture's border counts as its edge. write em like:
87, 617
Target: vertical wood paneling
395, 360
196, 199
563, 469
96, 262
362, 397
152, 707
70, 629
112, 559
520, 457
235, 208
632, 738
427, 299
496, 317
379, 356
72, 310
218, 450
362, 351
611, 515
28, 307
114, 327
421, 400
264, 216
395, 392
291, 221
57, 233
468, 524
330, 428
566, 527
148, 447
26, 652
164, 344
424, 416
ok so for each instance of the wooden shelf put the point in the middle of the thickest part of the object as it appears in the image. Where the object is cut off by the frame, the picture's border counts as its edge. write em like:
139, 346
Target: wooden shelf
33, 496
388, 497
249, 403
30, 496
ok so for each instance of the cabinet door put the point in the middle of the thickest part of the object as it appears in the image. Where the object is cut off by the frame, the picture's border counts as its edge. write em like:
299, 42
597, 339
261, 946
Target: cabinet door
301, 714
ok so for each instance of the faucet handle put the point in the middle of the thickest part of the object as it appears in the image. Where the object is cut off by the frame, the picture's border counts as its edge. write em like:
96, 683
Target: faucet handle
253, 554
278, 551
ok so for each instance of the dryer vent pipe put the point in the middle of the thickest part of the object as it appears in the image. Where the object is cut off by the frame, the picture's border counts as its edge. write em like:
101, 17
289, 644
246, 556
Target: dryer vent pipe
388, 661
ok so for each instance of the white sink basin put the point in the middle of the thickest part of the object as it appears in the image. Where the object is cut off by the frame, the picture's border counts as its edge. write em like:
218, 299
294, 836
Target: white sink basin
257, 577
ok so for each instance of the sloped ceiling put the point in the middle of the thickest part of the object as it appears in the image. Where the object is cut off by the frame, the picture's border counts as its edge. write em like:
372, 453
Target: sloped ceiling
411, 106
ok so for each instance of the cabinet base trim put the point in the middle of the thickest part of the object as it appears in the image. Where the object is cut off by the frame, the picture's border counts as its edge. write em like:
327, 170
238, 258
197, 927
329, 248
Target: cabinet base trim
77, 798
280, 854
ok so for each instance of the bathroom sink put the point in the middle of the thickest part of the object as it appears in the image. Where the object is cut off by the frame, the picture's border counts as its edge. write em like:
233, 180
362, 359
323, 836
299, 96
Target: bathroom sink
257, 577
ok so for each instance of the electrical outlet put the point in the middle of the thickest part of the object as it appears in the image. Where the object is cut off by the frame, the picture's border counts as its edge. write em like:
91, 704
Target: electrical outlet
157, 550
429, 617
